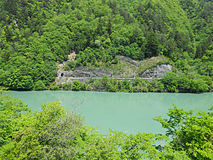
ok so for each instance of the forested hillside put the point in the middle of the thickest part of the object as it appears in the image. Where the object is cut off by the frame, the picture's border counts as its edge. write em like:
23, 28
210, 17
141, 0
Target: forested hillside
36, 34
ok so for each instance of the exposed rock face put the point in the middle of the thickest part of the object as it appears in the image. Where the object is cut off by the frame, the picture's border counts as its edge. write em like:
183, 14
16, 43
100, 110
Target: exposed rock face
128, 60
129, 66
157, 72
82, 74
64, 74
90, 72
71, 56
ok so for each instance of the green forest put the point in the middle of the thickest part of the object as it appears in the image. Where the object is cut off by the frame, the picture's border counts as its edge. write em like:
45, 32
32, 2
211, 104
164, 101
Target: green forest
35, 35
53, 133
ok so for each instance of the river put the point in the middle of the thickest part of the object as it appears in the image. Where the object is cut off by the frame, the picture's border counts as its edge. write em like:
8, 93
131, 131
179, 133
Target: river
128, 112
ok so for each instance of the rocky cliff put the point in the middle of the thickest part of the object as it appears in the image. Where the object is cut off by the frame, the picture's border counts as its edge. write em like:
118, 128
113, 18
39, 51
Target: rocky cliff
157, 72
84, 74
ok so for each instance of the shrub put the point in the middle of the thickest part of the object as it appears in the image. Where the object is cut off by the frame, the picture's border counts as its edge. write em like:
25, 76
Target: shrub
198, 85
170, 81
54, 86
156, 86
184, 83
105, 80
39, 85
76, 86
67, 86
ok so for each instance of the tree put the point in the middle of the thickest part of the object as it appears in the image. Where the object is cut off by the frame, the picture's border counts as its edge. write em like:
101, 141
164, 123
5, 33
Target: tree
170, 81
11, 110
76, 85
39, 85
15, 80
152, 46
189, 132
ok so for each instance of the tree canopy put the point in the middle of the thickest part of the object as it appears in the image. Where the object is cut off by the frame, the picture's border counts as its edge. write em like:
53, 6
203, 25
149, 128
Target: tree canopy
35, 35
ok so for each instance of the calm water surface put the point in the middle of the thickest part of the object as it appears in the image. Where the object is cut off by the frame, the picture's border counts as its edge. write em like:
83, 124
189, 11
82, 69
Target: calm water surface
126, 112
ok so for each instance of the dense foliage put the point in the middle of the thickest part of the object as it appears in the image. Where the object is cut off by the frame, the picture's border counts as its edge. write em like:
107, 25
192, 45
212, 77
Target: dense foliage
52, 133
189, 132
34, 35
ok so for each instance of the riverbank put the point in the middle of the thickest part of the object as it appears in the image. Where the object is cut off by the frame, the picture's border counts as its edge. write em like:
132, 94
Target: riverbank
171, 82
155, 74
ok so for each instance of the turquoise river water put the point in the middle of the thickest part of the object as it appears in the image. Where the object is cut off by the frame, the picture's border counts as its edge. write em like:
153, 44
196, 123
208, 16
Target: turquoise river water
126, 112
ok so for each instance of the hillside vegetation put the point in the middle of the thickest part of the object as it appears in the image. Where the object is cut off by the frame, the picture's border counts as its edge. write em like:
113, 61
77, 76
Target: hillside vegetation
35, 35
